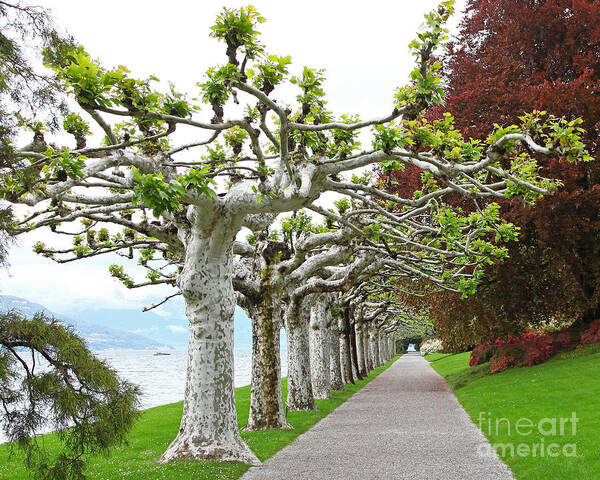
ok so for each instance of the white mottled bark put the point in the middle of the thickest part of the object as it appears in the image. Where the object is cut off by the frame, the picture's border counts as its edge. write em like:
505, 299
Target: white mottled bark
209, 429
300, 393
386, 347
383, 348
266, 403
368, 347
319, 348
377, 344
360, 348
354, 353
373, 346
337, 380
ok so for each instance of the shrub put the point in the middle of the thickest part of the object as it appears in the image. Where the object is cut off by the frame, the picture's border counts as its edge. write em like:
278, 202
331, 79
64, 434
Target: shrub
528, 349
592, 334
532, 348
481, 354
431, 345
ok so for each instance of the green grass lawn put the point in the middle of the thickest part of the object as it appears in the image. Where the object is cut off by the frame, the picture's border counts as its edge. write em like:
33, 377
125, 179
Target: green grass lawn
157, 428
566, 384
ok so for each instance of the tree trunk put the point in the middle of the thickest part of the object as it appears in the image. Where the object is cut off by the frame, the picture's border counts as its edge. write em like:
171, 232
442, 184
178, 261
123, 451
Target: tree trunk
382, 354
388, 355
373, 346
368, 347
346, 362
376, 356
360, 348
209, 428
266, 403
300, 393
337, 381
319, 349
354, 354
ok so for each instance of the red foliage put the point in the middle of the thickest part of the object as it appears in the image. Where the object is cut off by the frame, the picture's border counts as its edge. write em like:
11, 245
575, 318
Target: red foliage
528, 349
545, 55
531, 348
513, 56
591, 335
481, 354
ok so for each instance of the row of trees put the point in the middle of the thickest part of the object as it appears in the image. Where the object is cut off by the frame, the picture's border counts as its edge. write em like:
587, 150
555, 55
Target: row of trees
336, 287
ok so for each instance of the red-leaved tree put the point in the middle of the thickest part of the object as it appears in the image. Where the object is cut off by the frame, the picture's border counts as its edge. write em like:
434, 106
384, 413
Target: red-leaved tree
510, 57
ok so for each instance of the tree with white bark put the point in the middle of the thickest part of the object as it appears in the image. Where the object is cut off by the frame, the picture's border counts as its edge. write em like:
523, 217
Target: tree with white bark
264, 274
187, 202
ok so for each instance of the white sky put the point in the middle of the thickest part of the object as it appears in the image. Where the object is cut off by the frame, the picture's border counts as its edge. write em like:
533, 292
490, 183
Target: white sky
362, 46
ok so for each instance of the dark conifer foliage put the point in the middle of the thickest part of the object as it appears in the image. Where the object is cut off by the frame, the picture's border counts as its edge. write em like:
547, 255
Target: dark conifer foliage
48, 377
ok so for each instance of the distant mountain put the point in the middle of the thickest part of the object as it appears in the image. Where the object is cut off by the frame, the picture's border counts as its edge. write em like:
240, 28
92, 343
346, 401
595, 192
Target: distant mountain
168, 325
97, 336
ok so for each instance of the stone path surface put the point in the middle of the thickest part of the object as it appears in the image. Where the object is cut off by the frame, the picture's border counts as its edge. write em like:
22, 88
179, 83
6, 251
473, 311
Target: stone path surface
404, 424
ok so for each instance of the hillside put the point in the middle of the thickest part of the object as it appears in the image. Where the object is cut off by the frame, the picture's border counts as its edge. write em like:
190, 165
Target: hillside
521, 411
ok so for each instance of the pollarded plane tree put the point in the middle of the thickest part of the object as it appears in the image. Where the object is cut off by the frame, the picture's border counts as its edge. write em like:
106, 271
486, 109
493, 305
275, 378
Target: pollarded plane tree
321, 323
268, 281
400, 319
263, 274
240, 172
373, 322
270, 276
366, 314
307, 304
360, 307
376, 312
281, 273
357, 311
433, 243
383, 326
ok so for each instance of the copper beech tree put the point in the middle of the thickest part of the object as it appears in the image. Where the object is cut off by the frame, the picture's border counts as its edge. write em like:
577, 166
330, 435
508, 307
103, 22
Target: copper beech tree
541, 55
179, 207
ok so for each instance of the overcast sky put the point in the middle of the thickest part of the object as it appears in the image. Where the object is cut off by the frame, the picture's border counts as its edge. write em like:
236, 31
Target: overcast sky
361, 45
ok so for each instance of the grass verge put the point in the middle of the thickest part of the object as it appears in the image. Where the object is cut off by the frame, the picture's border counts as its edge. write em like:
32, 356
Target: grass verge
520, 411
158, 426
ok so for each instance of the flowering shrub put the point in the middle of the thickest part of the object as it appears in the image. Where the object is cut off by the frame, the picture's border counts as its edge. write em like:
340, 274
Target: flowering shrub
431, 345
481, 354
531, 348
505, 361
592, 334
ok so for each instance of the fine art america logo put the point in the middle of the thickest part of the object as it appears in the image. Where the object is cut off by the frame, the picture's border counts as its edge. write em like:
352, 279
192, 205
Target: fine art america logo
546, 436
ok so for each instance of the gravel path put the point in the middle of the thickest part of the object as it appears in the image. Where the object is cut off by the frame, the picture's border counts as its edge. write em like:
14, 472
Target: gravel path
405, 424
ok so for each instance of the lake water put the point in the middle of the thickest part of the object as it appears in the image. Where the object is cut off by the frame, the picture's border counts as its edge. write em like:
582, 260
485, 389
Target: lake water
162, 377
